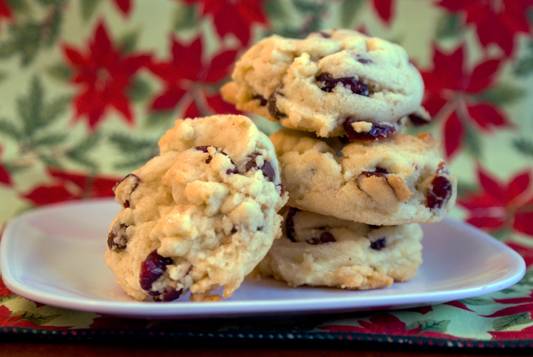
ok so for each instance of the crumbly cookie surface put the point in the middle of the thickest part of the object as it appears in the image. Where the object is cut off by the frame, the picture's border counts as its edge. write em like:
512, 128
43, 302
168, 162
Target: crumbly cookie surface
331, 83
394, 181
200, 215
318, 250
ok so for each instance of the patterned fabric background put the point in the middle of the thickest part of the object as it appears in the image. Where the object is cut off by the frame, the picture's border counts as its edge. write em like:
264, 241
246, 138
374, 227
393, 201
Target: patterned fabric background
88, 86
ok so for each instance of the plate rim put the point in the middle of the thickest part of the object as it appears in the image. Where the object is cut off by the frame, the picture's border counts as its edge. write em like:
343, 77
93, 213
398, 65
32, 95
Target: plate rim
242, 308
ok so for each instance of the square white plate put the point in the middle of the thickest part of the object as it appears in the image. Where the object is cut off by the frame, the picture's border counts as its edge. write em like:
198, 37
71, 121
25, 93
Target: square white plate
54, 255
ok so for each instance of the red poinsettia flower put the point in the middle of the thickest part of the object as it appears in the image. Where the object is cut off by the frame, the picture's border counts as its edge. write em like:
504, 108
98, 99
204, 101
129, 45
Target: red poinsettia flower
124, 6
102, 75
384, 324
71, 186
451, 91
501, 205
5, 176
233, 16
384, 9
5, 11
496, 21
189, 78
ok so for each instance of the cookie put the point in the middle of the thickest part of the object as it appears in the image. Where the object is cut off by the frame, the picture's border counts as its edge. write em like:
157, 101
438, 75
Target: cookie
332, 83
318, 250
400, 180
200, 215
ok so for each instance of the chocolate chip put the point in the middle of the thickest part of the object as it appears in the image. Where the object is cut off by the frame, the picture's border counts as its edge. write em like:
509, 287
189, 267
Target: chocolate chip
379, 171
266, 168
377, 131
203, 148
324, 34
233, 230
169, 294
117, 239
273, 108
378, 244
289, 230
418, 120
363, 60
323, 238
327, 83
262, 100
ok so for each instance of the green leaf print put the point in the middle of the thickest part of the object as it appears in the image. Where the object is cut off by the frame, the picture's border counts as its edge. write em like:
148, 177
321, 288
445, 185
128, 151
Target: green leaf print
505, 322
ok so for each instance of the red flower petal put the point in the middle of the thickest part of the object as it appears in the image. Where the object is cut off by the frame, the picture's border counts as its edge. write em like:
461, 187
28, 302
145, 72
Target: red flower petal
124, 6
188, 57
5, 11
120, 102
452, 5
235, 25
384, 9
47, 194
252, 11
74, 56
220, 106
192, 110
453, 135
168, 99
523, 222
5, 177
525, 252
488, 223
518, 185
434, 103
450, 66
483, 75
220, 66
487, 116
491, 185
101, 46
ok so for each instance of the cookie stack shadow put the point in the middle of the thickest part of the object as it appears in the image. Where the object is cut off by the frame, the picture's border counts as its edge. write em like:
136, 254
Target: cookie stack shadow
359, 187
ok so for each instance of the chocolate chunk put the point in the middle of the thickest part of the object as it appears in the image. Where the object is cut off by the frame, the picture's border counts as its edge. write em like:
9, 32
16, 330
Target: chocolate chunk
289, 230
377, 131
323, 238
266, 168
378, 244
262, 100
273, 108
327, 83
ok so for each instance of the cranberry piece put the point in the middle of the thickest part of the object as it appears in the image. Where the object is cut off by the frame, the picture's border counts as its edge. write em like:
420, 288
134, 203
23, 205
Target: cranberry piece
273, 108
152, 268
327, 83
371, 226
169, 294
203, 148
117, 239
233, 230
232, 171
379, 171
418, 120
267, 168
377, 132
135, 183
262, 100
324, 237
378, 244
290, 232
439, 192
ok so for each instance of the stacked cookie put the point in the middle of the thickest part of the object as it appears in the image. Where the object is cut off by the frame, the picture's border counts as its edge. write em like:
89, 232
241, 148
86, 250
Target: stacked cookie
358, 187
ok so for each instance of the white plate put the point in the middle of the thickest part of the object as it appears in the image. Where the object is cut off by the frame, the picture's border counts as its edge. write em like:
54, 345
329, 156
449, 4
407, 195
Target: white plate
54, 255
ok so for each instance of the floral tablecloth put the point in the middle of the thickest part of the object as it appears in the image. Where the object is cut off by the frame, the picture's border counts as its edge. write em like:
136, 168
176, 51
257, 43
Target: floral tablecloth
87, 87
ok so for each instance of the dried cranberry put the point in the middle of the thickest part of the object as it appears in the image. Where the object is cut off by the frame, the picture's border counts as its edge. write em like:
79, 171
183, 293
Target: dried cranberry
371, 226
267, 168
233, 230
136, 180
324, 237
377, 131
273, 108
262, 100
290, 232
117, 239
439, 192
327, 83
169, 294
152, 268
378, 244
418, 120
232, 171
